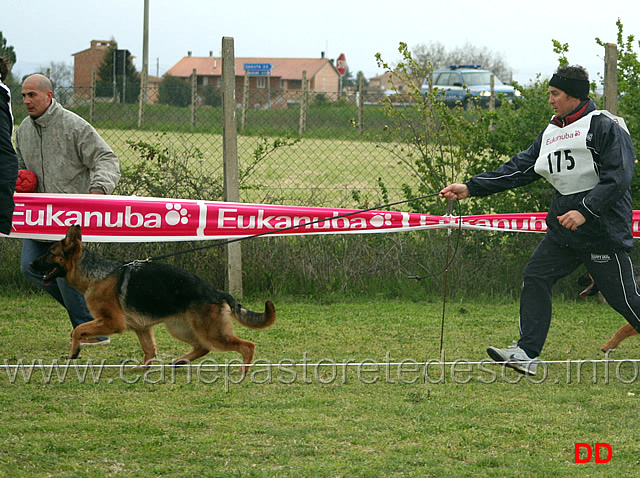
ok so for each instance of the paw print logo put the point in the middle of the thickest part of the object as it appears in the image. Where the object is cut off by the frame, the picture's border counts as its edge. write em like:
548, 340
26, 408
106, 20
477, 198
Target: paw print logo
381, 220
176, 215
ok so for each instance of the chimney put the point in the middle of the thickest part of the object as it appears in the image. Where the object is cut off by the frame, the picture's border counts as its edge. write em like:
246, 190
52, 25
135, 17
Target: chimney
189, 53
210, 52
322, 55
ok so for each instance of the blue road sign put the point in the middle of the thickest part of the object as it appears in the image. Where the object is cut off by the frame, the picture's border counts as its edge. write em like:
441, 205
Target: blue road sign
258, 66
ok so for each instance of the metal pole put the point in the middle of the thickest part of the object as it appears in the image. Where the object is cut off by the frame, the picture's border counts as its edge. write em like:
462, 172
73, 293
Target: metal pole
144, 95
194, 96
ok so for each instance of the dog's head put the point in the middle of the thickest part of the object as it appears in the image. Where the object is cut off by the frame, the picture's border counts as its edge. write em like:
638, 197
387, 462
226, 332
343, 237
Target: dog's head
61, 257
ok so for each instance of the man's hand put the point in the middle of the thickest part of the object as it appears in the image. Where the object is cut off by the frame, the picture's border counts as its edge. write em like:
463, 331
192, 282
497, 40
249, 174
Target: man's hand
455, 191
572, 220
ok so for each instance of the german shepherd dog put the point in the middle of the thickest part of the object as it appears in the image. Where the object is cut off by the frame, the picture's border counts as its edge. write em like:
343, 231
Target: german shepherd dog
591, 289
140, 294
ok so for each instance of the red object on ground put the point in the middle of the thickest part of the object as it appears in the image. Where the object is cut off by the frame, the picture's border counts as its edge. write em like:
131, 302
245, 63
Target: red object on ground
27, 181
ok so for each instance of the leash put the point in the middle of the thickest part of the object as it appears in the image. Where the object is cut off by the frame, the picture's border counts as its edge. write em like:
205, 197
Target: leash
449, 257
275, 231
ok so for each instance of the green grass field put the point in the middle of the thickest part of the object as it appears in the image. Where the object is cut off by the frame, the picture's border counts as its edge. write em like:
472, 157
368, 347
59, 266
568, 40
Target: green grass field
314, 415
311, 172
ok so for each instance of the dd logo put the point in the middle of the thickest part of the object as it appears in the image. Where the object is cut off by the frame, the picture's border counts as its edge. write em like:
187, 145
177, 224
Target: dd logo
593, 452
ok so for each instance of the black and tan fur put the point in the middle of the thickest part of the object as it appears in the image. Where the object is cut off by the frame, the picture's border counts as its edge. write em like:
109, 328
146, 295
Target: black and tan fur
140, 294
623, 332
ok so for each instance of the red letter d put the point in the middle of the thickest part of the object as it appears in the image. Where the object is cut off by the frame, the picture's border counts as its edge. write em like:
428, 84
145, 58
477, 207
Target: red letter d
597, 452
577, 447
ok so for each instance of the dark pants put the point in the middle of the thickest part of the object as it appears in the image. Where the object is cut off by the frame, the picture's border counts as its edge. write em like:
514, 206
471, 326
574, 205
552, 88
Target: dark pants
611, 270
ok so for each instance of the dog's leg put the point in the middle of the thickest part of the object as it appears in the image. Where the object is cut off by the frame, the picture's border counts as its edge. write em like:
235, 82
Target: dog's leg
623, 332
148, 343
108, 320
182, 330
197, 352
221, 336
235, 344
244, 347
93, 328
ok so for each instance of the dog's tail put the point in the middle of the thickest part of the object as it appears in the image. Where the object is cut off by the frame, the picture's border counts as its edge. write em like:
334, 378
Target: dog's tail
255, 320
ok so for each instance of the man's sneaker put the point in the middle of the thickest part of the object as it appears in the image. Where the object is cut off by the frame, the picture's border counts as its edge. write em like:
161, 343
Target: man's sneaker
514, 357
94, 341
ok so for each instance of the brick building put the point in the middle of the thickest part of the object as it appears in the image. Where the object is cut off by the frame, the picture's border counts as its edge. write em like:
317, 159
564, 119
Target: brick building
85, 61
282, 86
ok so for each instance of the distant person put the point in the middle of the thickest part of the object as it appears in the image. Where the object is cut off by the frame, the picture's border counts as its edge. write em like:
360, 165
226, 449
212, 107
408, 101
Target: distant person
8, 158
67, 155
588, 157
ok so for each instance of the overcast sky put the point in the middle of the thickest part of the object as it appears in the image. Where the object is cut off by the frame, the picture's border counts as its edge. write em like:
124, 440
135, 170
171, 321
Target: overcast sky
42, 31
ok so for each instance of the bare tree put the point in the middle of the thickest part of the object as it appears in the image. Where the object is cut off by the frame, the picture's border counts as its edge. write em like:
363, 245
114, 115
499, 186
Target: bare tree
61, 76
435, 56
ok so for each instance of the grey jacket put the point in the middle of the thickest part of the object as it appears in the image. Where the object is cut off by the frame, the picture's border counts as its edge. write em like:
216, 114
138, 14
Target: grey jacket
66, 153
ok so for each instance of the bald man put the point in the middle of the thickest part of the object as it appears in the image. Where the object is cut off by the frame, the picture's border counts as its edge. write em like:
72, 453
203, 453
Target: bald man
68, 156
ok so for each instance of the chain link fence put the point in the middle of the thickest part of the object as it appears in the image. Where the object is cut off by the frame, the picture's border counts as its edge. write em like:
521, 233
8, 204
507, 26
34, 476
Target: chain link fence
335, 158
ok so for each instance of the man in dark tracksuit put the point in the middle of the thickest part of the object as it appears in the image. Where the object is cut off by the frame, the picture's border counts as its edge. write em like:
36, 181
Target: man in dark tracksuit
588, 157
8, 158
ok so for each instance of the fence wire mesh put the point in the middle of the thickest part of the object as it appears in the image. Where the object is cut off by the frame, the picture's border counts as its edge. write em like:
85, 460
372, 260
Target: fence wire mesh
330, 155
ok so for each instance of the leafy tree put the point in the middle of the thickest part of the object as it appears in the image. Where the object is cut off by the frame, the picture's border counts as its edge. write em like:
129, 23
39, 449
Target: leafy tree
348, 79
212, 96
174, 91
8, 53
127, 82
431, 139
509, 129
629, 93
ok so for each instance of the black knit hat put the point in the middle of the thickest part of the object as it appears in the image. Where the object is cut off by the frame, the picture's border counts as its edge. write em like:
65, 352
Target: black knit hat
571, 86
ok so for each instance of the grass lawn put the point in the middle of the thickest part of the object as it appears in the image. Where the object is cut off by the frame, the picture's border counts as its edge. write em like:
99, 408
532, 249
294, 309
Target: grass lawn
310, 172
471, 418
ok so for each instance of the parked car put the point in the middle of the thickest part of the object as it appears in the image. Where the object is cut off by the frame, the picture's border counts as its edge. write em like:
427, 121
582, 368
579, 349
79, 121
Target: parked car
466, 85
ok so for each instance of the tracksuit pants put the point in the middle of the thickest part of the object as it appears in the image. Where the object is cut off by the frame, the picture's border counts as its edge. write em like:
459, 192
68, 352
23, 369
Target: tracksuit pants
611, 270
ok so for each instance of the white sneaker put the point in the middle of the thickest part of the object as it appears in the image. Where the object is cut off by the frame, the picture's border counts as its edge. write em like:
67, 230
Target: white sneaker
514, 357
91, 342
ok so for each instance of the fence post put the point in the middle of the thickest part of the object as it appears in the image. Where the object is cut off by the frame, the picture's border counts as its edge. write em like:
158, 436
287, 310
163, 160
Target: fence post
92, 100
194, 96
303, 106
142, 99
233, 278
144, 78
361, 104
245, 100
611, 78
492, 98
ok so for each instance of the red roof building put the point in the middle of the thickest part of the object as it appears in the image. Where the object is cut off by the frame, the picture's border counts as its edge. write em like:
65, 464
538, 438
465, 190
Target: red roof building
282, 85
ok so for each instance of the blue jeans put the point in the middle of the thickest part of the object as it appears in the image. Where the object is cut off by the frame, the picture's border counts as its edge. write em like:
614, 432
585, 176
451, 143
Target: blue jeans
59, 289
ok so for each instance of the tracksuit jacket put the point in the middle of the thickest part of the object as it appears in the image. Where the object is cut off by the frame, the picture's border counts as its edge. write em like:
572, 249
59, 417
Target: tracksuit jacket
8, 161
66, 153
606, 205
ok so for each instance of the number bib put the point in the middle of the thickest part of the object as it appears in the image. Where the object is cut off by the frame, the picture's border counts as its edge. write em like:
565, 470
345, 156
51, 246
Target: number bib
564, 159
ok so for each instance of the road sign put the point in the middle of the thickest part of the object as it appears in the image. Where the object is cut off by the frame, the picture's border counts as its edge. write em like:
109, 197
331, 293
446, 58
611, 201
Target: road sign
341, 64
258, 69
258, 66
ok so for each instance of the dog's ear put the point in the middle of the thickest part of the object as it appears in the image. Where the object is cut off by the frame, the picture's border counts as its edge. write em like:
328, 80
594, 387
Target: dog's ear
73, 237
